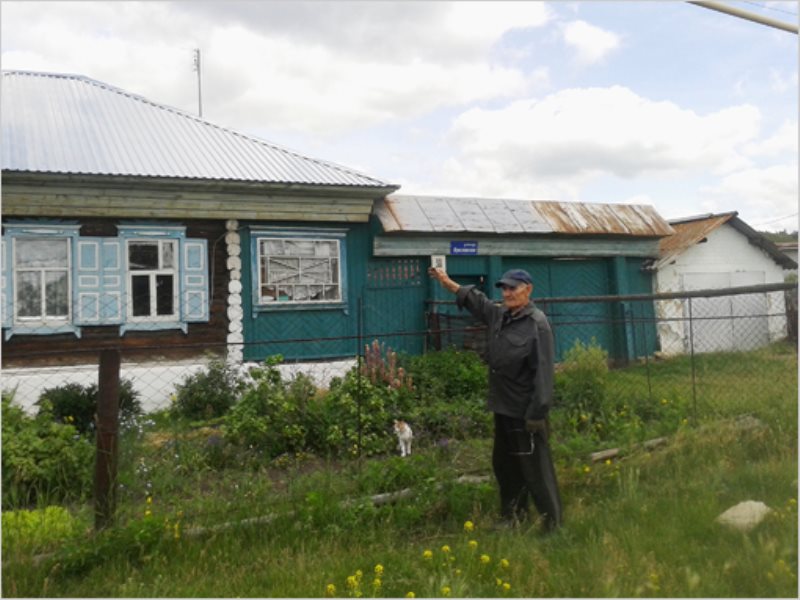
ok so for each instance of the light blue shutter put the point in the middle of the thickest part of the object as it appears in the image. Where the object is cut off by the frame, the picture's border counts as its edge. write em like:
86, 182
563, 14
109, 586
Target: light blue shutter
98, 281
194, 281
6, 290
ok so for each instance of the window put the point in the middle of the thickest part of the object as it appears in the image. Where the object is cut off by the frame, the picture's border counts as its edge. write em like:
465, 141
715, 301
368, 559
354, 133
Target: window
54, 280
299, 270
152, 272
41, 270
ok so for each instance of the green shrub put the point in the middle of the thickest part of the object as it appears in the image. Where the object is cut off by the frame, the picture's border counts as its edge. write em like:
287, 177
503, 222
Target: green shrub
42, 459
209, 393
270, 415
76, 404
29, 531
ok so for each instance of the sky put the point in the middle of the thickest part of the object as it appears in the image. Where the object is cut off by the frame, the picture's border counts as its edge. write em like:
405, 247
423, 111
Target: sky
639, 102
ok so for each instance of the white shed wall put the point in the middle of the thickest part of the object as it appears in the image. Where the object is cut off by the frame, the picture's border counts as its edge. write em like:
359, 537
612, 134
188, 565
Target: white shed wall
726, 259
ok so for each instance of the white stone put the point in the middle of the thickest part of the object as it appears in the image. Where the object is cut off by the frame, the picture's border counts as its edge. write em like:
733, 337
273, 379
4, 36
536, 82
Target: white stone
235, 338
235, 313
232, 237
234, 299
236, 274
235, 286
234, 249
235, 326
745, 515
231, 224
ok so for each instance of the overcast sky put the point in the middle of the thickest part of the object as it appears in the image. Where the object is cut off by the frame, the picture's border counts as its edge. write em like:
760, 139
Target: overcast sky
661, 103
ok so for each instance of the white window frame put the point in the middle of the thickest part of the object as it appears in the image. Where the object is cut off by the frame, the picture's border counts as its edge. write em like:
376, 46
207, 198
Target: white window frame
262, 256
43, 319
130, 273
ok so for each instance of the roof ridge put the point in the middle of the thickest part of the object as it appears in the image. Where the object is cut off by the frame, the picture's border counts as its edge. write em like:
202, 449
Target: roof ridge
182, 113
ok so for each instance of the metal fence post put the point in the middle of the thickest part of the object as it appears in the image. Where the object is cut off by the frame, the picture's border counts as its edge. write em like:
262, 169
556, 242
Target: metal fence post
105, 472
691, 358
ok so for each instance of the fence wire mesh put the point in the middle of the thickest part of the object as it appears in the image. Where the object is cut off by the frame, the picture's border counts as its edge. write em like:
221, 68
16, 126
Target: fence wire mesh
660, 348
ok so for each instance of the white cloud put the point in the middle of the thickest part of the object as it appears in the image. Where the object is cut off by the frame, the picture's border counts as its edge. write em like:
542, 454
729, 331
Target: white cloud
760, 194
577, 133
591, 43
318, 67
782, 143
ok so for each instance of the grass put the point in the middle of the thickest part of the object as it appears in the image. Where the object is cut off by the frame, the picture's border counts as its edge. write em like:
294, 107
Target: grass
639, 526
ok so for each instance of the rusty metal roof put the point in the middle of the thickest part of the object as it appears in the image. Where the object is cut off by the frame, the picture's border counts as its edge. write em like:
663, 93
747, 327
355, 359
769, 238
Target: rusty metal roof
57, 123
436, 214
691, 230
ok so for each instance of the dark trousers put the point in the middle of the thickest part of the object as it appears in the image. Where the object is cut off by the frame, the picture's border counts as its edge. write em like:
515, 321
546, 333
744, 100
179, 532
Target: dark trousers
523, 467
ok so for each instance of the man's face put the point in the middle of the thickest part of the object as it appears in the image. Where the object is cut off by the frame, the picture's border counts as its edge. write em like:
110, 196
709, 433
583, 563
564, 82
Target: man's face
518, 296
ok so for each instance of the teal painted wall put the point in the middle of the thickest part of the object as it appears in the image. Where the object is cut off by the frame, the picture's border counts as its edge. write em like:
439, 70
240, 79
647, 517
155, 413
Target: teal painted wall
387, 299
266, 331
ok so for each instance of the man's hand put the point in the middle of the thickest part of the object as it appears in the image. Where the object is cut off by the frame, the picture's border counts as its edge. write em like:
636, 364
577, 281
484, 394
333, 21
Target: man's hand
537, 426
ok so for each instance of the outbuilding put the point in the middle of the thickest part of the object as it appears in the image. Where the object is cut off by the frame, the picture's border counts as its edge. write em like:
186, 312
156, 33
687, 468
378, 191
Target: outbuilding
711, 252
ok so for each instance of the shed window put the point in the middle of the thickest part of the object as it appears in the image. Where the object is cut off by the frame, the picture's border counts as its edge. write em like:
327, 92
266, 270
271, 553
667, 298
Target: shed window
41, 267
299, 270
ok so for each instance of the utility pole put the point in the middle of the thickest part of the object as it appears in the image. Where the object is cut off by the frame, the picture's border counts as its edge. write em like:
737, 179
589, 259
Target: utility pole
750, 16
199, 88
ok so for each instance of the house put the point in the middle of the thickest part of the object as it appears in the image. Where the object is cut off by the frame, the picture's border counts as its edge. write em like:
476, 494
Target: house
130, 224
716, 251
571, 250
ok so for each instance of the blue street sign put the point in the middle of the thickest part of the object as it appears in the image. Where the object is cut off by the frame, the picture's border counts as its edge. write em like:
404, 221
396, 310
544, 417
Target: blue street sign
460, 248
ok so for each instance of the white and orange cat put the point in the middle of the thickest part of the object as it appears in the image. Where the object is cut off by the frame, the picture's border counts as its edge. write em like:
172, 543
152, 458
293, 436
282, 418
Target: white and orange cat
404, 436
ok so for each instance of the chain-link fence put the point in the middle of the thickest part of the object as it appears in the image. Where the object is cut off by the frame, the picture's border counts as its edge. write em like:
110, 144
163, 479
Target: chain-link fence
632, 329
698, 347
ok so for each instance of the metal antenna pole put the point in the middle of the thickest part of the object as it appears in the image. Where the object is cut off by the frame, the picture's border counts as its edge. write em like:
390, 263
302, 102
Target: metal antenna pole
199, 88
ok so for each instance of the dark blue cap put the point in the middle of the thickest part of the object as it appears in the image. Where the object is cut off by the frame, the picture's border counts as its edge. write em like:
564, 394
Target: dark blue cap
513, 278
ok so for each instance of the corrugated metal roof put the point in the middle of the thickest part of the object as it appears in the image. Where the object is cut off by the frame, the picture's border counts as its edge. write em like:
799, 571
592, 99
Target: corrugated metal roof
481, 215
691, 230
58, 123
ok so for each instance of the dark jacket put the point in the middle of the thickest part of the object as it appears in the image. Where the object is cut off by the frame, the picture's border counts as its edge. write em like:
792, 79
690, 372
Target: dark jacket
520, 356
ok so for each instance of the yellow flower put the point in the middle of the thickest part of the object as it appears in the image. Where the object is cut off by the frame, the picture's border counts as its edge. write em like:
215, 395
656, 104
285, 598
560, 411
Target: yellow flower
352, 582
446, 549
71, 419
458, 572
376, 583
378, 570
498, 581
149, 499
664, 402
587, 469
469, 526
506, 587
504, 564
485, 559
473, 545
359, 575
148, 513
446, 591
411, 595
177, 529
427, 555
330, 590
608, 461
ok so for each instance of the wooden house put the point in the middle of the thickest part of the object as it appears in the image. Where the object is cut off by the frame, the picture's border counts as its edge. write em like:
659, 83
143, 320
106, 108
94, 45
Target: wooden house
127, 223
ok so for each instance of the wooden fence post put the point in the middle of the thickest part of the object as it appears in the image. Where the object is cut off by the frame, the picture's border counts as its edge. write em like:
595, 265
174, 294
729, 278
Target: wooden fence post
105, 472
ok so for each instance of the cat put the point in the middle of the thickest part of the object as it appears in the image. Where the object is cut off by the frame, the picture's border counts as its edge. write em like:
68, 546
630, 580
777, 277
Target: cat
404, 436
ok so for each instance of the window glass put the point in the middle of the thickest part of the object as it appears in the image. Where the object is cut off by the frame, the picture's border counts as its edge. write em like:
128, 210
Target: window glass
41, 271
298, 270
153, 279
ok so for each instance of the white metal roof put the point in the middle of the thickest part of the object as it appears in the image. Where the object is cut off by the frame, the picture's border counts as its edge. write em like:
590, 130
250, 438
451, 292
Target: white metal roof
57, 123
432, 214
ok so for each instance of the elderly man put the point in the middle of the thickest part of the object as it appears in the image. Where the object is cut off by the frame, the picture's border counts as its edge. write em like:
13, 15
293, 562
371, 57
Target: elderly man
520, 357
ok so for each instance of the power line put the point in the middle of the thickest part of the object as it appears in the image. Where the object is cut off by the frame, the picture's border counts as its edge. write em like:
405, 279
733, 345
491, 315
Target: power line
767, 7
749, 16
776, 220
